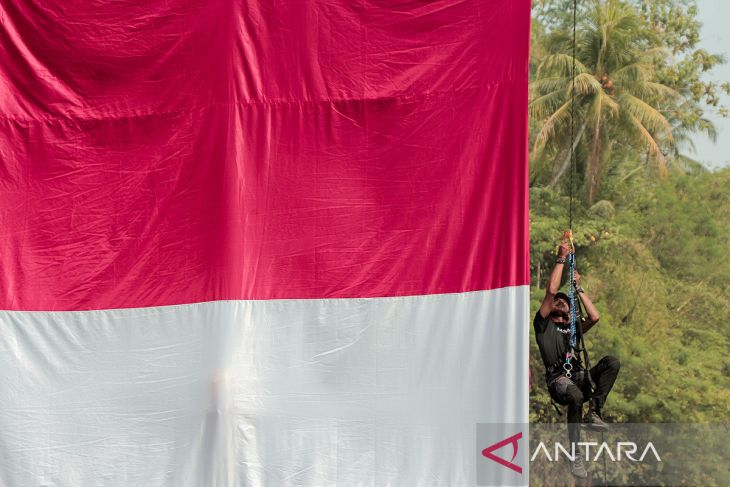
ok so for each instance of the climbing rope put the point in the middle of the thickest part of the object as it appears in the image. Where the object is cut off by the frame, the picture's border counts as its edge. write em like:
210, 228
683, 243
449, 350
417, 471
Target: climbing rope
571, 297
572, 117
567, 366
576, 338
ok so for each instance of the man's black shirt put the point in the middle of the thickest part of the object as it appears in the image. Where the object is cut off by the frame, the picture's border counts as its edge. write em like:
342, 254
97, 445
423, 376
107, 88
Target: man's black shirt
553, 339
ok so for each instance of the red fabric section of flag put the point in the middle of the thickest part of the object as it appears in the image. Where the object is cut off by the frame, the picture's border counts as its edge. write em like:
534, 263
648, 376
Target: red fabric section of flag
184, 151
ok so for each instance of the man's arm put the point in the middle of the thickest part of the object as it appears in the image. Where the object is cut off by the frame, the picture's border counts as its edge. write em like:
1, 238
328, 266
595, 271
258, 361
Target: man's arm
590, 308
553, 284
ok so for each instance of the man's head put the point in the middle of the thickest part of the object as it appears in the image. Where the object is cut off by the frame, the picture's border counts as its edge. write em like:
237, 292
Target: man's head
561, 307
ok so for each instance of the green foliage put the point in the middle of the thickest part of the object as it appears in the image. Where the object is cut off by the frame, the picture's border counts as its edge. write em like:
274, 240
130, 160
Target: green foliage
686, 231
658, 274
638, 88
652, 246
681, 65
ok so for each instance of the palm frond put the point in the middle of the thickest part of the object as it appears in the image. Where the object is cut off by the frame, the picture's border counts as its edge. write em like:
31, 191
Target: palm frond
648, 116
654, 148
637, 71
546, 85
548, 129
585, 85
603, 101
646, 89
560, 64
542, 106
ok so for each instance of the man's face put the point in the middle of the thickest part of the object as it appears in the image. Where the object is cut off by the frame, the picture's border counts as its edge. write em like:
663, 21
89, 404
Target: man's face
561, 308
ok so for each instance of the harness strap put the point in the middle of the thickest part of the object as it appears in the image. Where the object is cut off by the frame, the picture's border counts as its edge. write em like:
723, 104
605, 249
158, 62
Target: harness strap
587, 364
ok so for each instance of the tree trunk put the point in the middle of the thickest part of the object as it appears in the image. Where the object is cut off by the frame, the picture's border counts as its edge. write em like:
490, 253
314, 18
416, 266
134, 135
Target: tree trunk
593, 169
566, 162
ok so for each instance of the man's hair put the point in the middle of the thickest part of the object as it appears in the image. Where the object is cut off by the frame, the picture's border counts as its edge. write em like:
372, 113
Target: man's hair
564, 297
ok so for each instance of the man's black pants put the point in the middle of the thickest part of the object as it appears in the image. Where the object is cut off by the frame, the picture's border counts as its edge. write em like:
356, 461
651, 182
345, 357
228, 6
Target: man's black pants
566, 392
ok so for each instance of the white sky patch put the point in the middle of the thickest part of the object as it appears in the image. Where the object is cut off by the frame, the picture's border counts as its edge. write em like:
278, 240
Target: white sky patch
715, 37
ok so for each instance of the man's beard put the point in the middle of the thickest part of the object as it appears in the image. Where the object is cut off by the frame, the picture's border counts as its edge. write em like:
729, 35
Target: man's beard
559, 314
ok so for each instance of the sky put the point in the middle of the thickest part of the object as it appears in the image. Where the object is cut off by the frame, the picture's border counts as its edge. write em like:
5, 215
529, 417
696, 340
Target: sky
715, 37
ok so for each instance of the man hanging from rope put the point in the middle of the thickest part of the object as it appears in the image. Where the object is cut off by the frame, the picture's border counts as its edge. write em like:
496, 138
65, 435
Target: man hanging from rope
570, 385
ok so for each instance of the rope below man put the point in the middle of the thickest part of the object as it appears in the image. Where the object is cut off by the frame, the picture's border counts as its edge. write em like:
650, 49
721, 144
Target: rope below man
571, 386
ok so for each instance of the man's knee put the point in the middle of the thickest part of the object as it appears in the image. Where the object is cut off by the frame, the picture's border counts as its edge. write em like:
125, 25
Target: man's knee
612, 363
574, 397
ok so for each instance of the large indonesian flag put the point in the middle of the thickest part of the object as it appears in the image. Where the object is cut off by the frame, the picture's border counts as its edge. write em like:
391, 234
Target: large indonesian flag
260, 242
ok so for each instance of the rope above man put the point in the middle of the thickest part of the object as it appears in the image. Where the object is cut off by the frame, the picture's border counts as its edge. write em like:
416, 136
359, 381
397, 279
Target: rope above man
571, 386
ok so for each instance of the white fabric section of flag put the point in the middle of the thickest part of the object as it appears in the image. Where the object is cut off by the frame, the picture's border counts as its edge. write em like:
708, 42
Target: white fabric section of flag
278, 392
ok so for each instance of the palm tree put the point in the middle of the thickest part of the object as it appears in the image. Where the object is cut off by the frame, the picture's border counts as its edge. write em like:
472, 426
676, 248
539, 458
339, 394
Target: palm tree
617, 101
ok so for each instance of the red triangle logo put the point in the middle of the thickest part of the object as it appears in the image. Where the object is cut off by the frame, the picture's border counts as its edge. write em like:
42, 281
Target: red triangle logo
487, 452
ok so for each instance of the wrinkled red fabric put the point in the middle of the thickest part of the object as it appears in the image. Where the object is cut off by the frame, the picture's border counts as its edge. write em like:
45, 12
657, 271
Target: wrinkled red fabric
157, 153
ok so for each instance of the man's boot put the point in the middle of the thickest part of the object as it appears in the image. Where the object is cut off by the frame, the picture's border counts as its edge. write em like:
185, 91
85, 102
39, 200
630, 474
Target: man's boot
594, 422
578, 468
